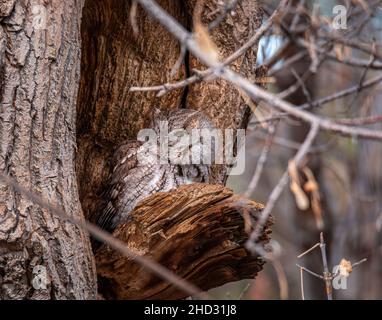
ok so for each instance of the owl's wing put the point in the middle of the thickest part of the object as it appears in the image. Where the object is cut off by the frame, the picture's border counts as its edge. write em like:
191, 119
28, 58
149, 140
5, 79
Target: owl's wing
124, 159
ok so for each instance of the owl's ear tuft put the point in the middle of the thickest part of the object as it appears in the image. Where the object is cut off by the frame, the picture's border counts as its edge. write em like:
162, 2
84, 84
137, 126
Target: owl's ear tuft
157, 116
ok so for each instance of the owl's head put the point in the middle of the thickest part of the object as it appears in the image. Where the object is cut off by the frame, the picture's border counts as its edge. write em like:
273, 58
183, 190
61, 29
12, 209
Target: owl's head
183, 122
186, 119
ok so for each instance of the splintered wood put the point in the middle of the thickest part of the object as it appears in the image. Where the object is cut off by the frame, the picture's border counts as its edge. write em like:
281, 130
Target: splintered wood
197, 231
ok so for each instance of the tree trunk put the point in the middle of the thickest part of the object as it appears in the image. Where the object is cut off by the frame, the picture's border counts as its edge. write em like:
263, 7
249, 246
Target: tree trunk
114, 59
39, 76
42, 120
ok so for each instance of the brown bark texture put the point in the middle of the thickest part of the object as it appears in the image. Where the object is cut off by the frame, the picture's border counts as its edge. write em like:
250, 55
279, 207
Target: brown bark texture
64, 107
39, 77
114, 59
197, 231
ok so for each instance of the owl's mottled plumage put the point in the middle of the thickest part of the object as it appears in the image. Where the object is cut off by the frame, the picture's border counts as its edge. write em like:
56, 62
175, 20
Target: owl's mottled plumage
131, 182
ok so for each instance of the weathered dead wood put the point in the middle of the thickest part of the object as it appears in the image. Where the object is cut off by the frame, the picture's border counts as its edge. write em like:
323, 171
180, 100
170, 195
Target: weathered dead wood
113, 60
197, 231
44, 134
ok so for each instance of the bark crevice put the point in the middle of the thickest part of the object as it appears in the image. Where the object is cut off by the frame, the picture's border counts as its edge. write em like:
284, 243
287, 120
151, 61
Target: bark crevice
38, 91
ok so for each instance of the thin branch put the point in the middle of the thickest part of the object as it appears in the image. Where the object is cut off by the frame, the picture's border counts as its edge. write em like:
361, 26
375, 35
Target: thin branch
360, 121
282, 279
230, 6
327, 275
280, 273
348, 61
309, 250
254, 91
244, 291
354, 43
292, 144
343, 93
302, 283
310, 272
260, 163
355, 264
163, 89
108, 239
276, 192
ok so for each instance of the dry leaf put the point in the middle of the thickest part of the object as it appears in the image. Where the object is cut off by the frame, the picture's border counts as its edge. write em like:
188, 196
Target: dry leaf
345, 268
205, 42
341, 52
202, 37
312, 187
301, 199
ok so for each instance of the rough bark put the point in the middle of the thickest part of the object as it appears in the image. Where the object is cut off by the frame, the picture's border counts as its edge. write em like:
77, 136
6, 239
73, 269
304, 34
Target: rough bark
39, 76
219, 99
113, 60
40, 125
197, 231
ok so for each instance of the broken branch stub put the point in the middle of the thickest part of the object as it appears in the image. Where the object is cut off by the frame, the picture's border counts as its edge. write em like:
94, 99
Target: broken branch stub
197, 231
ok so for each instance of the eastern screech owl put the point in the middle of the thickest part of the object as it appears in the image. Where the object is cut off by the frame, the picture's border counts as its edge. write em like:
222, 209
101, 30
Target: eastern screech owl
131, 182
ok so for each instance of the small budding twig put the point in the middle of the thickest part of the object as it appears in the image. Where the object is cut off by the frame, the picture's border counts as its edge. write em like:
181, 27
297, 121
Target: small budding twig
327, 276
310, 272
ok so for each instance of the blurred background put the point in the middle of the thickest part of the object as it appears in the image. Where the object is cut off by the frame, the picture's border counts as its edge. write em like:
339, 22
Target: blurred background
344, 173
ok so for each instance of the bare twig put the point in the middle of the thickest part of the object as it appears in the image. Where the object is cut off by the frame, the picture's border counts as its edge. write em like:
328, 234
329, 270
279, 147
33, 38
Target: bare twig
260, 163
343, 93
355, 264
254, 91
163, 89
282, 279
276, 192
107, 238
360, 121
309, 250
229, 7
302, 283
244, 291
133, 17
327, 274
280, 273
310, 272
349, 61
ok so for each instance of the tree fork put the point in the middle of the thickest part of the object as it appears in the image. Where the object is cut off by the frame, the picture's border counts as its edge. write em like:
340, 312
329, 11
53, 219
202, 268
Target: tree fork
57, 143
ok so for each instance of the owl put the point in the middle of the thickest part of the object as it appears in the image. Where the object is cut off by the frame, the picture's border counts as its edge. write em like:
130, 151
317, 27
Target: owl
131, 180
